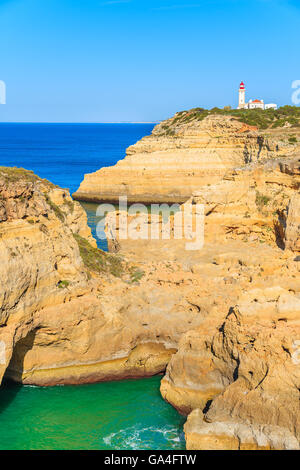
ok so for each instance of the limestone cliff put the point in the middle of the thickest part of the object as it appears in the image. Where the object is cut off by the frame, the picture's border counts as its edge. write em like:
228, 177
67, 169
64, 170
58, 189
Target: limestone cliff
236, 375
255, 203
178, 158
71, 313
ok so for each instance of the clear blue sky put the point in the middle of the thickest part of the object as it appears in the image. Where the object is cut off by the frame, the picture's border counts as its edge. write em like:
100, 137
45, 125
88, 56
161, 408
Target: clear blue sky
143, 60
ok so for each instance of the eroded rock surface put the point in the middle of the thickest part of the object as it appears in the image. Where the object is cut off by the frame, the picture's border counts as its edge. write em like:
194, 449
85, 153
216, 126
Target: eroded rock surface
203, 435
252, 378
236, 375
178, 158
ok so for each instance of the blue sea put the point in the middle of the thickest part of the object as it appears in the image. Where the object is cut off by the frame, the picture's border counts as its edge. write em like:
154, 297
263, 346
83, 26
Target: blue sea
64, 153
118, 415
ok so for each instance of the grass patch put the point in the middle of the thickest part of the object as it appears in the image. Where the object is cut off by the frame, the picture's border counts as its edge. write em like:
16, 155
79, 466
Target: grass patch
135, 274
63, 284
58, 212
97, 260
261, 200
70, 205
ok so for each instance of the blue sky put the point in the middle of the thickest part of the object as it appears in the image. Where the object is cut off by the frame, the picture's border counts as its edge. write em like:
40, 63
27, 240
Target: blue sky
143, 60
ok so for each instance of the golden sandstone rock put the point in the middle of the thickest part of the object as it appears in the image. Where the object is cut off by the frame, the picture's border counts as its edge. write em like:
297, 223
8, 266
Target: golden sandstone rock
64, 318
256, 356
203, 435
169, 168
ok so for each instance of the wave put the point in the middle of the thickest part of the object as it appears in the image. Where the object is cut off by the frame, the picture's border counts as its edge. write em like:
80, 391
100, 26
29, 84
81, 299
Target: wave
136, 438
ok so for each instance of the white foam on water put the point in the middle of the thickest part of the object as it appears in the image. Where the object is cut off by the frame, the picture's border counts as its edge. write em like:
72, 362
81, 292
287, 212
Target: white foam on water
135, 438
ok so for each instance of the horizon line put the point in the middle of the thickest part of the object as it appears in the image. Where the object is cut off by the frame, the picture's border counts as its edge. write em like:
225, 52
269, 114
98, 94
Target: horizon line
80, 122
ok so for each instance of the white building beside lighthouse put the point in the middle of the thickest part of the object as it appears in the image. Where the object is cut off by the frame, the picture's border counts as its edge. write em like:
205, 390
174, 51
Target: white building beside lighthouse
252, 104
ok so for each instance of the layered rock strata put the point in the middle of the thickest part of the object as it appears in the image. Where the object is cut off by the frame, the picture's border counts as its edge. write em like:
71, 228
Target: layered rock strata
176, 159
255, 204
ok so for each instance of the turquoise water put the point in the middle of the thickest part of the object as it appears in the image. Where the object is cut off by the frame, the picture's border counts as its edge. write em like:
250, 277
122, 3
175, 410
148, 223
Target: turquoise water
90, 209
116, 415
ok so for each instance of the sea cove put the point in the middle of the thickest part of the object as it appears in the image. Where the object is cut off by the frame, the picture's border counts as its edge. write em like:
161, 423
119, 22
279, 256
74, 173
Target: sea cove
117, 415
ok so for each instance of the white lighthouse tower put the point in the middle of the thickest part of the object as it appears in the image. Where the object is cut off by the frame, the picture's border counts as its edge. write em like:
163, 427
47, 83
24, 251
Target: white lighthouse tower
242, 96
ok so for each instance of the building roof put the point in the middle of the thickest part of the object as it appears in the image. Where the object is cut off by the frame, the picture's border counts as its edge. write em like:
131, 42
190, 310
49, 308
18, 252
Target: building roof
257, 101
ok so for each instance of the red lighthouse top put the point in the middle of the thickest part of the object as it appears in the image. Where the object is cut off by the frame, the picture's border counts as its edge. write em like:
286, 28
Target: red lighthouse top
242, 86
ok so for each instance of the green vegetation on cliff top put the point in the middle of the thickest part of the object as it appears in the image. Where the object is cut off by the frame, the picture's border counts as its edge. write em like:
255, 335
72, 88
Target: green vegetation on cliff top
14, 174
263, 119
97, 260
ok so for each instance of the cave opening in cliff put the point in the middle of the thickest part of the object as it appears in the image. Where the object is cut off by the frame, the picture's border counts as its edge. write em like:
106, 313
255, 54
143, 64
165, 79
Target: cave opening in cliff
15, 369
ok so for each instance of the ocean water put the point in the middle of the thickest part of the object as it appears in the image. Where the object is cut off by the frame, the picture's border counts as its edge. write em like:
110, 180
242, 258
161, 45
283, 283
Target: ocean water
117, 415
64, 153
114, 415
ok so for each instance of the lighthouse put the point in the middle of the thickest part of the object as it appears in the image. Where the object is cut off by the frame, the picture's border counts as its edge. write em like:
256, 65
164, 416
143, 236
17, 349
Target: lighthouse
242, 93
252, 104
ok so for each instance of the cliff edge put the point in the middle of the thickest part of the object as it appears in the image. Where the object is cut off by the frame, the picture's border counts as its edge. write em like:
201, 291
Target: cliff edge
181, 155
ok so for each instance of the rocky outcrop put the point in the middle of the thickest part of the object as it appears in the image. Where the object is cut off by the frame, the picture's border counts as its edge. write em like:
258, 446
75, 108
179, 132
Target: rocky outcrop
203, 435
292, 224
176, 159
256, 203
237, 375
253, 376
71, 313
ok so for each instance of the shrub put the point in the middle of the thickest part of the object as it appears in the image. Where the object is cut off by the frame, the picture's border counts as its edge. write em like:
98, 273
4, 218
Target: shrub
260, 118
261, 200
136, 274
13, 174
70, 205
58, 212
63, 284
97, 260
